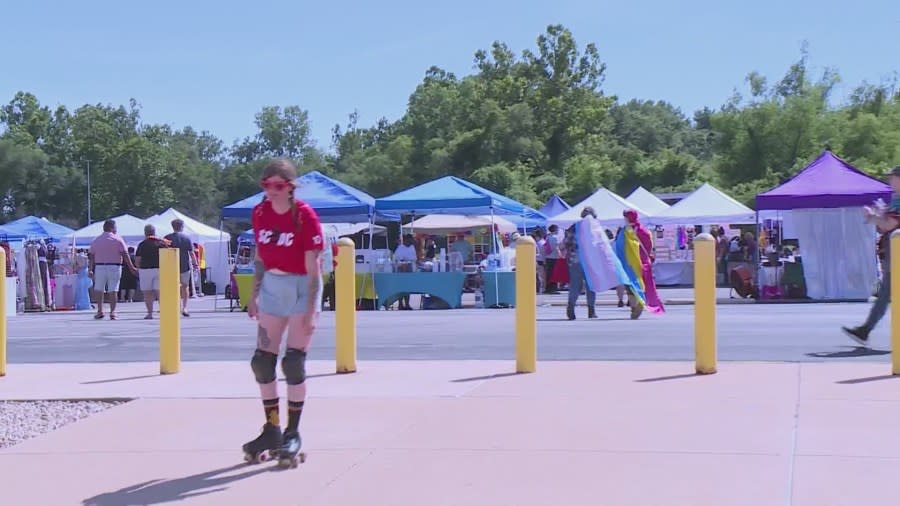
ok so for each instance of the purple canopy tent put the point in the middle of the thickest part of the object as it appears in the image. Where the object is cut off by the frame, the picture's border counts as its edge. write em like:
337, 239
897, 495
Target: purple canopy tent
555, 205
828, 182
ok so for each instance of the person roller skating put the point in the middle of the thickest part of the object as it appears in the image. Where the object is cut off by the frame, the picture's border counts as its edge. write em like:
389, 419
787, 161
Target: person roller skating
287, 294
265, 447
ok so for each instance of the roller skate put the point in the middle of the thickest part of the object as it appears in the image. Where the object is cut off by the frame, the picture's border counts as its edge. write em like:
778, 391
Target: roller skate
264, 447
289, 455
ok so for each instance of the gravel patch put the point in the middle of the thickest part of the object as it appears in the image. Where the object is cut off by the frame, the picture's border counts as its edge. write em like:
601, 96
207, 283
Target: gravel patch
21, 420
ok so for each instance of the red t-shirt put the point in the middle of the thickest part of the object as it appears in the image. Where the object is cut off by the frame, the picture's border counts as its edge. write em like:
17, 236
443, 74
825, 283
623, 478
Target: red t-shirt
282, 245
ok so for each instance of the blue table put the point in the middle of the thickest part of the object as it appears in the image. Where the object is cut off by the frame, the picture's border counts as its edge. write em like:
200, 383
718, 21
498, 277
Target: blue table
499, 288
446, 286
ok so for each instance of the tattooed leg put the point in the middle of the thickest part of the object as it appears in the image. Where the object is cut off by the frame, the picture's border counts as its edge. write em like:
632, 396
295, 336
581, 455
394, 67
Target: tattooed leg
262, 339
270, 332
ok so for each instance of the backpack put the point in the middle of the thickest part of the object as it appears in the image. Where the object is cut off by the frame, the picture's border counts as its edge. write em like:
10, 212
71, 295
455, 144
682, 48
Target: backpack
546, 251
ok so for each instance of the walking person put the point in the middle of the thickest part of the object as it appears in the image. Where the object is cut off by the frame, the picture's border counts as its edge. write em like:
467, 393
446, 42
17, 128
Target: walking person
106, 255
576, 272
287, 294
147, 259
186, 260
634, 247
886, 221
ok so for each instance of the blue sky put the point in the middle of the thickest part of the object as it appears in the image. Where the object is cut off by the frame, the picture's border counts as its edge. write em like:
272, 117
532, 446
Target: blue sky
213, 65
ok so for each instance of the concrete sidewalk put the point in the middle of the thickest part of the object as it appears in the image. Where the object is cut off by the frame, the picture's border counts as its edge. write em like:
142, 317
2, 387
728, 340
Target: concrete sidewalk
471, 433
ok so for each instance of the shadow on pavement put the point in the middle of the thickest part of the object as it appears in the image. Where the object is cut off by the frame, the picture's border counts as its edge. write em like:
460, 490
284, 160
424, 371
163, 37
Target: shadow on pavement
113, 380
667, 378
854, 351
564, 319
490, 376
856, 381
178, 489
320, 375
130, 378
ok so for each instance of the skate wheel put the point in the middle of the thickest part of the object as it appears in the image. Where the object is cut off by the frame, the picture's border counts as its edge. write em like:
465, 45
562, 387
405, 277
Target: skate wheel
302, 458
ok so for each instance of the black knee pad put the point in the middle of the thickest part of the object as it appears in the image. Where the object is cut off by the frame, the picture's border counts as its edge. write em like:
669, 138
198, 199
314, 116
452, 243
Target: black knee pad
263, 365
293, 365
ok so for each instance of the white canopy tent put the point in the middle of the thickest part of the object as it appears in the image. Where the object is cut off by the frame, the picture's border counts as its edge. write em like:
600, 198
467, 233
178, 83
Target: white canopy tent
705, 206
608, 206
345, 229
437, 223
129, 228
215, 243
196, 230
647, 201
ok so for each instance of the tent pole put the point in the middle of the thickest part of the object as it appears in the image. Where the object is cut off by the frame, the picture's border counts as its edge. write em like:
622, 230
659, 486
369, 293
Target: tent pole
756, 269
495, 238
227, 255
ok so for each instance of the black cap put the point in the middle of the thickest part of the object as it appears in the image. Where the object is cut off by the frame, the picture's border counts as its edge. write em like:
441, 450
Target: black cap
895, 171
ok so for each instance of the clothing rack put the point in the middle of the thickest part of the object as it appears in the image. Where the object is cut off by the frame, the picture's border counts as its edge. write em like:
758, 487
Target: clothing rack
37, 274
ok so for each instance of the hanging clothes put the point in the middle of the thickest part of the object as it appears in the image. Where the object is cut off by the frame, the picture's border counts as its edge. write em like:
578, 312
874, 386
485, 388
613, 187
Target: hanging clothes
34, 289
9, 258
44, 271
83, 284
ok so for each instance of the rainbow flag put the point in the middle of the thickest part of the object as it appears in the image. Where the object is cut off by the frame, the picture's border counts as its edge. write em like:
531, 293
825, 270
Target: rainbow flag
628, 249
602, 268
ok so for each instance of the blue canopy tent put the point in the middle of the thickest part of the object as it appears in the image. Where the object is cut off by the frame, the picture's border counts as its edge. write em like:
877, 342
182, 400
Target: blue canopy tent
34, 227
11, 236
334, 201
452, 195
555, 205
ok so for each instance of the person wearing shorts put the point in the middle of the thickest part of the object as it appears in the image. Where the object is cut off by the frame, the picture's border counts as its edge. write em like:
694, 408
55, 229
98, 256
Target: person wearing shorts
107, 253
147, 258
186, 260
287, 294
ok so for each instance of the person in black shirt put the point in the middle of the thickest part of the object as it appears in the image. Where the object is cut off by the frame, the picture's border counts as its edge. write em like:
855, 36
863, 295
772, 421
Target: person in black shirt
147, 260
186, 259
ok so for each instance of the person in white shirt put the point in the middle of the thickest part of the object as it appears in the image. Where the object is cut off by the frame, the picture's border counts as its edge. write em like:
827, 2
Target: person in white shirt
405, 257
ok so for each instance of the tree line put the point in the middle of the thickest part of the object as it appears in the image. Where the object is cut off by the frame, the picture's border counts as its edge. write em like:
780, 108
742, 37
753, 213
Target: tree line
524, 125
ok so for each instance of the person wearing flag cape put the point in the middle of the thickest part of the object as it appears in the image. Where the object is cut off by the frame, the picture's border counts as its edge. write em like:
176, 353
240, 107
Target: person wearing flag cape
634, 247
593, 263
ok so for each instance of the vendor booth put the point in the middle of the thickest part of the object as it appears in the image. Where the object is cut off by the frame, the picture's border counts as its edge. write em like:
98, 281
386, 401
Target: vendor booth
453, 196
820, 210
39, 275
706, 206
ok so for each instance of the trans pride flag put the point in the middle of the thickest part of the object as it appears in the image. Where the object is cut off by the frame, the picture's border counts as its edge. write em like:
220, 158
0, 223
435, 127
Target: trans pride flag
602, 268
640, 274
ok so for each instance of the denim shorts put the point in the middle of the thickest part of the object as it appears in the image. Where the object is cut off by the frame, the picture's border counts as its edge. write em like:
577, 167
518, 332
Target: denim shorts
286, 294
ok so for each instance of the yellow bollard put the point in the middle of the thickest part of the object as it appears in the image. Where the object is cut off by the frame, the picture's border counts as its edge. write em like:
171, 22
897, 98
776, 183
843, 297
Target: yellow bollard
705, 303
895, 308
526, 305
169, 312
345, 307
3, 296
